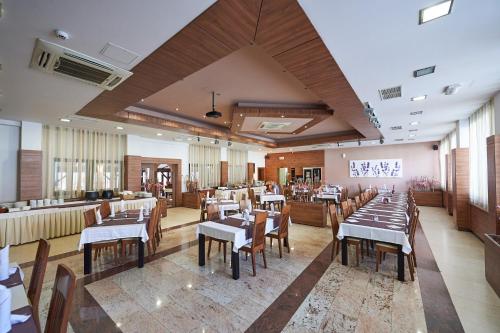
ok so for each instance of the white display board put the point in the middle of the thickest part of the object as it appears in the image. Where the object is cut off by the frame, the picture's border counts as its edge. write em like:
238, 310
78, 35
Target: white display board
386, 168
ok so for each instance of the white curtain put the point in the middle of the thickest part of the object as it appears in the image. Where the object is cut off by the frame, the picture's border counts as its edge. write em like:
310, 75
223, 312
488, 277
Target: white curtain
444, 148
481, 126
204, 165
79, 160
237, 164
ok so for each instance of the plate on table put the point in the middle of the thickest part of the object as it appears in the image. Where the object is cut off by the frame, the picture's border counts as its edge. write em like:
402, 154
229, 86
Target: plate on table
351, 220
395, 220
391, 226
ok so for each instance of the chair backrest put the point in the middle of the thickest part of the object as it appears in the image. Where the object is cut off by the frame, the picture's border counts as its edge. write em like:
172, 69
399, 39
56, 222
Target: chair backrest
349, 204
259, 231
362, 197
244, 204
413, 227
105, 209
154, 217
89, 217
334, 221
285, 216
37, 275
344, 206
61, 301
212, 211
358, 202
162, 202
360, 189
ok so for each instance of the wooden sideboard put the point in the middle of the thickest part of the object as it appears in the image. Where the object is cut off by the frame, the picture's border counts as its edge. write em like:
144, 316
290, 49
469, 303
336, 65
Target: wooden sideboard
309, 213
431, 199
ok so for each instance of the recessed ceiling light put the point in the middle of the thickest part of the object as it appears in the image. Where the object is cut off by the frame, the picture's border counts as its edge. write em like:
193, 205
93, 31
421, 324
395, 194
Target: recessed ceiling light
204, 116
435, 11
176, 109
411, 135
418, 98
189, 139
424, 71
241, 114
159, 134
212, 142
119, 127
142, 100
305, 126
414, 123
238, 125
282, 116
65, 120
260, 148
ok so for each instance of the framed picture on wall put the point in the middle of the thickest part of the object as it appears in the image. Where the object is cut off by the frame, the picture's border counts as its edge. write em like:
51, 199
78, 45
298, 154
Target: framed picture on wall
383, 168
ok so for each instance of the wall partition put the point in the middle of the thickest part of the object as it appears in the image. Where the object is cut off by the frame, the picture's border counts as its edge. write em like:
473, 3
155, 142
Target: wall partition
79, 160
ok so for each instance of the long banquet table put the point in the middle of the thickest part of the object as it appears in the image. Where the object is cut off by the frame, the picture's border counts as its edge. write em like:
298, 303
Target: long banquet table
123, 225
51, 222
19, 302
232, 229
390, 226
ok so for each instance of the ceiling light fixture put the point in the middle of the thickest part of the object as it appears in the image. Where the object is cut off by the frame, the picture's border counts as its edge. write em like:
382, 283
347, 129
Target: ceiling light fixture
418, 98
159, 134
381, 140
142, 100
198, 139
65, 120
414, 123
424, 71
416, 113
411, 135
435, 11
213, 113
229, 143
176, 109
212, 142
452, 89
282, 116
216, 141
119, 128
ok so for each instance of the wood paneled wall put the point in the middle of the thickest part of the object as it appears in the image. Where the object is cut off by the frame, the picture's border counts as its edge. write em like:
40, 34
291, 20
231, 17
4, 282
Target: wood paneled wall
298, 160
449, 192
250, 172
132, 174
460, 179
30, 174
224, 173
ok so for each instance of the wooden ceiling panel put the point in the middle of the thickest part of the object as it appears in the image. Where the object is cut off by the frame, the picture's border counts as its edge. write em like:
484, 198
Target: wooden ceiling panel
282, 26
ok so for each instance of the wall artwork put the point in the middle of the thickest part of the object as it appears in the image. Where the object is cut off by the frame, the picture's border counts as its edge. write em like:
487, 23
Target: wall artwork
388, 168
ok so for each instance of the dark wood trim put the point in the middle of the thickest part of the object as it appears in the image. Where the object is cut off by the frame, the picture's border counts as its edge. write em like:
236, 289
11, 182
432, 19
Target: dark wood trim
460, 179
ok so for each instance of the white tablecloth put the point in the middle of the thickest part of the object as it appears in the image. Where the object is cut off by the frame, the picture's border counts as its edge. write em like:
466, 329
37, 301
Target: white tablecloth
228, 206
271, 197
328, 196
377, 234
31, 225
99, 234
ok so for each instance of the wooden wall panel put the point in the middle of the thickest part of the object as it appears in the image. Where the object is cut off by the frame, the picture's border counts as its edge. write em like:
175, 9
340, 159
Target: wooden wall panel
449, 184
224, 173
430, 199
30, 174
460, 180
250, 172
298, 160
132, 173
480, 221
309, 213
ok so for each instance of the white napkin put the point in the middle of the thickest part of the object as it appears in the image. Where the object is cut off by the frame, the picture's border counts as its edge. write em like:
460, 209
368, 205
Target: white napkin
17, 318
122, 206
98, 217
141, 214
13, 269
272, 208
112, 214
221, 214
4, 263
5, 304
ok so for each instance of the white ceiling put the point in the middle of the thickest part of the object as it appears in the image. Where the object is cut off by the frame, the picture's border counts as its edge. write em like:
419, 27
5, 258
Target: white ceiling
377, 44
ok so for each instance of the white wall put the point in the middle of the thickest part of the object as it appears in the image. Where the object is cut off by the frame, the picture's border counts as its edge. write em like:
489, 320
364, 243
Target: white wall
140, 146
257, 157
9, 146
223, 154
31, 136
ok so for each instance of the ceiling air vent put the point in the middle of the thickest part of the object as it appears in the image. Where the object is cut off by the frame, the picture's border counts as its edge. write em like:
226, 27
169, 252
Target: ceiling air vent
416, 113
390, 93
395, 128
398, 140
52, 58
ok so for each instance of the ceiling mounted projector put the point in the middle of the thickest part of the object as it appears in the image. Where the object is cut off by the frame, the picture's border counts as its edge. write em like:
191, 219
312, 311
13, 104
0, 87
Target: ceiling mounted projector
213, 113
452, 89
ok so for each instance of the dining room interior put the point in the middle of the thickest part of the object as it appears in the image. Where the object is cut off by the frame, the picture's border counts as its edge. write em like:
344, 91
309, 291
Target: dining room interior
249, 166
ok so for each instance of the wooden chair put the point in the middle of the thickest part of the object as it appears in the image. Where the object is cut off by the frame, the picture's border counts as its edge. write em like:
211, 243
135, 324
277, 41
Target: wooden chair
162, 202
244, 204
105, 209
282, 232
89, 217
344, 207
203, 206
360, 188
336, 243
258, 239
349, 204
251, 196
357, 201
383, 248
37, 275
154, 219
362, 197
61, 301
213, 214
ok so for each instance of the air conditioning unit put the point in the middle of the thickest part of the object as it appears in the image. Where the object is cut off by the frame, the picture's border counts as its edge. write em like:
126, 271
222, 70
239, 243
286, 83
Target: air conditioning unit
52, 58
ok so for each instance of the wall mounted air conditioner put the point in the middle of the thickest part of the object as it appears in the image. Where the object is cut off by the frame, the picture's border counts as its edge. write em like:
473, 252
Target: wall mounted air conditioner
52, 58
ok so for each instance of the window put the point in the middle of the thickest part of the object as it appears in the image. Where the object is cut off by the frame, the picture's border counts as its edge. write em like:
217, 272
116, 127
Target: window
204, 165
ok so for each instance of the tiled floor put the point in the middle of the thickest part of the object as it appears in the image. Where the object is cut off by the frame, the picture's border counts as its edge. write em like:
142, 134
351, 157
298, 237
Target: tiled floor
460, 258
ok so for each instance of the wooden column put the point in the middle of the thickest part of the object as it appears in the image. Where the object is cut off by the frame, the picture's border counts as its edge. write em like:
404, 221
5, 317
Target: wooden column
250, 172
132, 173
224, 173
449, 191
30, 174
493, 155
460, 179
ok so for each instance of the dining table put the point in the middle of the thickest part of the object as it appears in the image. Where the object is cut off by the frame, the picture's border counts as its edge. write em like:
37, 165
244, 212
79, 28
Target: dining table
20, 304
379, 221
265, 198
234, 229
122, 225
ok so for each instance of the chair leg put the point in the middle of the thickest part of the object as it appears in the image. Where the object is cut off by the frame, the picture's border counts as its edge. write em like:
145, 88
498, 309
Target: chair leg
334, 247
209, 248
271, 241
149, 246
377, 260
414, 257
253, 263
224, 248
95, 254
358, 250
410, 266
287, 244
115, 250
124, 249
279, 245
264, 257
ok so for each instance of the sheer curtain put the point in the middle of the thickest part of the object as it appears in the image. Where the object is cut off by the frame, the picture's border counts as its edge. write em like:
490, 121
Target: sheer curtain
79, 160
204, 165
481, 126
237, 164
444, 148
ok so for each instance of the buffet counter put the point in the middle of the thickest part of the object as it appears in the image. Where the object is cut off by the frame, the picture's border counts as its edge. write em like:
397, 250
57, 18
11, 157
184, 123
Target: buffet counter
53, 221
